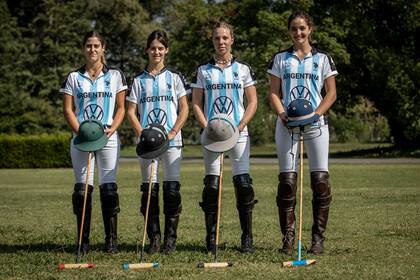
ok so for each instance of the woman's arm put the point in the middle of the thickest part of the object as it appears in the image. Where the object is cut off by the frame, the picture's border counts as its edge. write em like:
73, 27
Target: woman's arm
197, 99
274, 96
69, 113
119, 115
132, 118
251, 108
329, 98
181, 119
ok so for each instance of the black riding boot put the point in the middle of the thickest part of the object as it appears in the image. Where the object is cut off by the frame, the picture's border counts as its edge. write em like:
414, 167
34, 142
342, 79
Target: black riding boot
172, 209
245, 202
209, 206
78, 199
320, 206
110, 209
286, 202
153, 223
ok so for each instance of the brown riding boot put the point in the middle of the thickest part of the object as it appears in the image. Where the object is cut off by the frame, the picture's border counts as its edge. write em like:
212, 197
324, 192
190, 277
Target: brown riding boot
320, 206
286, 202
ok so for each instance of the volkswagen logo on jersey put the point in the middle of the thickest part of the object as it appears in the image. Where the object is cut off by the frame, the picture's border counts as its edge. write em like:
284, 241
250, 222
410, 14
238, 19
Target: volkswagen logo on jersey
223, 105
93, 111
157, 116
299, 92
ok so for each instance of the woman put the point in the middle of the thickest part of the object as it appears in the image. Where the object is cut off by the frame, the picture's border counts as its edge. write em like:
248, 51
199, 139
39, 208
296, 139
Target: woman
96, 91
219, 87
159, 95
301, 72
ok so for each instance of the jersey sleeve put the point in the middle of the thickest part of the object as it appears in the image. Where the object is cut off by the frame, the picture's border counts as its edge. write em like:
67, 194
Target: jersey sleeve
181, 86
329, 67
274, 68
67, 87
121, 81
134, 92
249, 77
198, 79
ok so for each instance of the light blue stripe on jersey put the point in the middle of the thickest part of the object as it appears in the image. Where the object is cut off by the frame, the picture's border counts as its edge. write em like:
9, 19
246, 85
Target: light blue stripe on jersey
288, 60
301, 82
168, 81
80, 81
107, 88
314, 83
155, 91
209, 94
222, 91
94, 99
143, 94
235, 95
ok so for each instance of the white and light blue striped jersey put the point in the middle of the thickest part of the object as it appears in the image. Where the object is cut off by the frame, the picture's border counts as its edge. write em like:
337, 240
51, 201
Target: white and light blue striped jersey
157, 99
302, 79
224, 89
94, 99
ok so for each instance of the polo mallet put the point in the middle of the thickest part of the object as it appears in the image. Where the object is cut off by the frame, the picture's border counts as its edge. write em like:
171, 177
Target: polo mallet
143, 265
299, 261
217, 264
78, 264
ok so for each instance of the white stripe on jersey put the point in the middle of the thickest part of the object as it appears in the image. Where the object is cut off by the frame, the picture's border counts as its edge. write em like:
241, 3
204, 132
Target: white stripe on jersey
302, 79
224, 89
94, 100
157, 99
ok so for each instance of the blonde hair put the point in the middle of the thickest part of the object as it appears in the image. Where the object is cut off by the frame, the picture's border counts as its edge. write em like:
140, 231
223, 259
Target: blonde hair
222, 24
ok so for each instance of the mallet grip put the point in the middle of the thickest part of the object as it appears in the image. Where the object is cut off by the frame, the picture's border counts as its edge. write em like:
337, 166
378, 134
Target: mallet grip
140, 265
75, 265
214, 265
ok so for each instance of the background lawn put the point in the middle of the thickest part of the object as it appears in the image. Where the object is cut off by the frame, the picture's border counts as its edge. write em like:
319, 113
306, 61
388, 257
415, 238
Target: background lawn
374, 229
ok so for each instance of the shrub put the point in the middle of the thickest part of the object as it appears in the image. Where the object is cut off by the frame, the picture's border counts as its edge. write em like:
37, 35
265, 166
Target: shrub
35, 151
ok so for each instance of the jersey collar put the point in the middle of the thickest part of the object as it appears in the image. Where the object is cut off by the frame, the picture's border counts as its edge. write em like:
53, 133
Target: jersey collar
82, 70
212, 61
160, 72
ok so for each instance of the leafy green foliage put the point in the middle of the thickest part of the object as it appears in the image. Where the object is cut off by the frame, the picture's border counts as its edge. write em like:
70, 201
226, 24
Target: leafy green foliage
373, 43
35, 151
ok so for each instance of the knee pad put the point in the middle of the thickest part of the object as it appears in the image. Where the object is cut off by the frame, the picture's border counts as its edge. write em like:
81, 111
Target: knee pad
171, 198
286, 190
321, 189
154, 199
109, 198
244, 192
79, 196
210, 193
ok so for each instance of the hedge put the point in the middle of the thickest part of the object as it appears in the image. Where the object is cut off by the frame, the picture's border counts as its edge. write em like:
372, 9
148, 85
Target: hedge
35, 151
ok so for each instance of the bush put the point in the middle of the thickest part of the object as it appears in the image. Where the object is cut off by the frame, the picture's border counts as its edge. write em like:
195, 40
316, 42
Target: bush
35, 151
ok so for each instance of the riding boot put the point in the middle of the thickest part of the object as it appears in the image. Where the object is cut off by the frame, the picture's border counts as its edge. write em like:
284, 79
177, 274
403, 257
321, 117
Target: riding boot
78, 200
211, 220
171, 225
209, 206
172, 208
320, 206
245, 218
153, 223
245, 202
286, 202
110, 209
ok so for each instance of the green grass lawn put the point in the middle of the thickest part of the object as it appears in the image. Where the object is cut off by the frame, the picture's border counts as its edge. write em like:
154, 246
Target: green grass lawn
337, 150
373, 233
